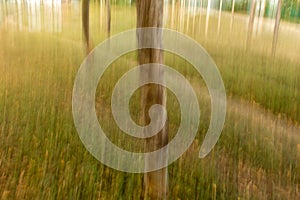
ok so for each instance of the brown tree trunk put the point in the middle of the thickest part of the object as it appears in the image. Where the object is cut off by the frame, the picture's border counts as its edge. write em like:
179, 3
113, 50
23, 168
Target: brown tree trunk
250, 25
86, 21
276, 28
150, 14
108, 17
85, 24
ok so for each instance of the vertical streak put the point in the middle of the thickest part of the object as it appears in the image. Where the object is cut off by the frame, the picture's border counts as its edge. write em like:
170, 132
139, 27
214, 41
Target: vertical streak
276, 27
200, 14
250, 25
220, 15
172, 15
188, 16
194, 14
232, 15
207, 17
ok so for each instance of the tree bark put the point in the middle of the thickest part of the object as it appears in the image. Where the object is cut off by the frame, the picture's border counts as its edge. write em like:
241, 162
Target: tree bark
276, 27
150, 14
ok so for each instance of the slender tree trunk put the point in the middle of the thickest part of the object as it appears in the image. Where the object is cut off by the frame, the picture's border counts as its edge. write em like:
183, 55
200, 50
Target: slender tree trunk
232, 15
251, 22
172, 16
194, 15
207, 17
85, 24
181, 15
101, 13
261, 16
16, 4
5, 10
220, 15
258, 15
86, 21
276, 27
200, 14
150, 14
108, 17
188, 16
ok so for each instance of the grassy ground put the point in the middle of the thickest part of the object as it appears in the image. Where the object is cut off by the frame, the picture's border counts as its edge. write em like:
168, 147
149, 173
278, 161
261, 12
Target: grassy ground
41, 155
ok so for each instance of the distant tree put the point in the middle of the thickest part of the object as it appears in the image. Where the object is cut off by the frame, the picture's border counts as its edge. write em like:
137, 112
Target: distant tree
250, 24
108, 17
287, 8
232, 14
85, 22
220, 14
207, 16
276, 27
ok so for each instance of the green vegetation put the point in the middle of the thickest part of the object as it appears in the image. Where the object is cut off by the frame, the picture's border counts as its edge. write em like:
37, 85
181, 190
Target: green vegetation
41, 155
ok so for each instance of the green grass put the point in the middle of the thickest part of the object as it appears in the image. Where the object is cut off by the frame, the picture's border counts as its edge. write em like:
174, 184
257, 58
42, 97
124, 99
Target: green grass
42, 157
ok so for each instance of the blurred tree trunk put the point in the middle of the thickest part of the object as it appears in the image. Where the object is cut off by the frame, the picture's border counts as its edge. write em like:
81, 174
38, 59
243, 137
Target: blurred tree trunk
172, 16
86, 21
251, 22
276, 28
150, 14
188, 16
85, 24
219, 18
108, 17
3, 9
200, 13
207, 16
261, 14
232, 15
194, 15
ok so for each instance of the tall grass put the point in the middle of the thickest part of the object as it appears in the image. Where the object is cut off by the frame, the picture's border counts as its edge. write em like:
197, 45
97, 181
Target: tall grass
42, 157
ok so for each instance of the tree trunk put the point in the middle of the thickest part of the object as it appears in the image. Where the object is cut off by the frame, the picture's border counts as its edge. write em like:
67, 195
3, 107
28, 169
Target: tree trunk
188, 17
220, 15
276, 28
200, 14
86, 21
101, 13
85, 24
181, 16
108, 17
232, 15
250, 25
172, 16
150, 14
207, 17
261, 16
194, 15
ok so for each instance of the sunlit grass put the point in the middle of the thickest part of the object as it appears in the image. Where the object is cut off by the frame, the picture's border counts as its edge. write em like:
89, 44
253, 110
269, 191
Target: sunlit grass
42, 157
